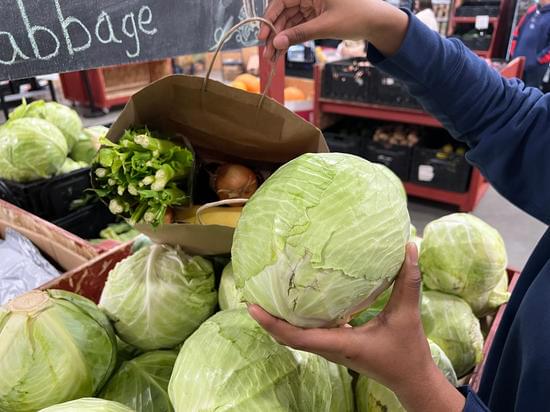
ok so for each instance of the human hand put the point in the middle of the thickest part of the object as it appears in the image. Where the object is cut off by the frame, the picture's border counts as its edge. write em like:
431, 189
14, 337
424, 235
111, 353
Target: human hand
297, 21
391, 348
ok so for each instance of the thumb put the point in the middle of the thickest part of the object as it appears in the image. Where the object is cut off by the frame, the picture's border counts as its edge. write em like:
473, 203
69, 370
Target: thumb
406, 288
309, 30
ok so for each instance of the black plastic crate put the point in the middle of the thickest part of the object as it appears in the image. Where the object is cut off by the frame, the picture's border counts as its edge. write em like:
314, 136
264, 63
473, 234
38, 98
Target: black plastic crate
348, 136
349, 80
396, 158
491, 10
389, 91
88, 221
47, 198
432, 167
478, 43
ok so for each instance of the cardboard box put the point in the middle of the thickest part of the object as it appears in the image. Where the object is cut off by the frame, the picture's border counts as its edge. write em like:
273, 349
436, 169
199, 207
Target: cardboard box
64, 248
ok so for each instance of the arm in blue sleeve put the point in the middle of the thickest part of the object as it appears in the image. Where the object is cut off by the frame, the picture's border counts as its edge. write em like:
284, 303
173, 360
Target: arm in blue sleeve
473, 403
506, 124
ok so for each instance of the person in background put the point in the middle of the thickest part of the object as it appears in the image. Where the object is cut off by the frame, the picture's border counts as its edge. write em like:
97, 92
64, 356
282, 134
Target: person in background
532, 40
425, 13
507, 128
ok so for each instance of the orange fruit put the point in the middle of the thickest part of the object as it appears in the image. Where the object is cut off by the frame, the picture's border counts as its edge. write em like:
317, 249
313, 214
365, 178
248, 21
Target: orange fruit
293, 93
238, 85
252, 82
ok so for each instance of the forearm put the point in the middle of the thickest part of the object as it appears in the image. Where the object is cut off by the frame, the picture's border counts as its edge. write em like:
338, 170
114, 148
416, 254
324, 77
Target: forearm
385, 26
430, 392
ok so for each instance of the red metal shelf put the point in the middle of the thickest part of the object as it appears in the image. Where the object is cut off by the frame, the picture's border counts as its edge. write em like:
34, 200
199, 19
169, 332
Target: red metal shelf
482, 53
378, 112
472, 20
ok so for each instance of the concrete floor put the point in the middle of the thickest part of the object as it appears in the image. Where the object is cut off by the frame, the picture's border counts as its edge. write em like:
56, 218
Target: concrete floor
520, 231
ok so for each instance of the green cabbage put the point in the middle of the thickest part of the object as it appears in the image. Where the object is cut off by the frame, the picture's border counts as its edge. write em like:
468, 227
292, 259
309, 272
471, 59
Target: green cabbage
30, 149
142, 383
64, 118
449, 321
54, 346
88, 405
372, 396
464, 256
157, 297
373, 310
231, 364
228, 296
69, 165
321, 238
87, 144
342, 399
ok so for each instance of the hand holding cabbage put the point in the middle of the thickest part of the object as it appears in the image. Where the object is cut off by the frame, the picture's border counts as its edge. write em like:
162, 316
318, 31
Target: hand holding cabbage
391, 348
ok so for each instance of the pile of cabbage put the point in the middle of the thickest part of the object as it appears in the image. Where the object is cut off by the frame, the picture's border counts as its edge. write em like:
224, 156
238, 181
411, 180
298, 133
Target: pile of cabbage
44, 139
171, 332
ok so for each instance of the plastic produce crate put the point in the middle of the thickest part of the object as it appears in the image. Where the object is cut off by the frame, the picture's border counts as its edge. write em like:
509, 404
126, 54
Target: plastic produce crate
47, 198
349, 80
389, 91
467, 10
395, 157
347, 137
87, 221
451, 173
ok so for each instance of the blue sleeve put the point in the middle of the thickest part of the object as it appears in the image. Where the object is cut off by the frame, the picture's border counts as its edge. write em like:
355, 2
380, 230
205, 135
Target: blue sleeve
505, 124
473, 403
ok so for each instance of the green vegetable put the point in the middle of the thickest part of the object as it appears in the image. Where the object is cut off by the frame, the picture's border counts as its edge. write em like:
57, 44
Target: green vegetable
372, 396
125, 352
231, 364
157, 297
64, 118
54, 346
143, 176
342, 399
449, 321
373, 310
464, 256
228, 295
142, 383
30, 149
87, 144
88, 405
69, 165
121, 232
320, 238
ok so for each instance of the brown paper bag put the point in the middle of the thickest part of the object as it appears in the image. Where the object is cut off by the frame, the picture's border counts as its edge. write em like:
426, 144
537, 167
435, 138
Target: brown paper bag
220, 122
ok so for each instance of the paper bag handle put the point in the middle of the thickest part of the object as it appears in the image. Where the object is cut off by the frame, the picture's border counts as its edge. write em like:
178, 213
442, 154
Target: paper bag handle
215, 204
224, 40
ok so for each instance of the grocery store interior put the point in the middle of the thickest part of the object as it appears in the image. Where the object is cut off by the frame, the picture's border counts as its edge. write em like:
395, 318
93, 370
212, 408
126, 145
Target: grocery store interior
143, 205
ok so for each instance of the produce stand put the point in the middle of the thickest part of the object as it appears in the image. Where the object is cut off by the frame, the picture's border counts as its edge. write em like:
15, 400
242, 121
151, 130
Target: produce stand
466, 201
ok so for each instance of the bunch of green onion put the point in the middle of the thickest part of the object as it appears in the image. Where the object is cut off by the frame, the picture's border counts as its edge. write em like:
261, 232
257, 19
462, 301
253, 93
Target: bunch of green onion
142, 176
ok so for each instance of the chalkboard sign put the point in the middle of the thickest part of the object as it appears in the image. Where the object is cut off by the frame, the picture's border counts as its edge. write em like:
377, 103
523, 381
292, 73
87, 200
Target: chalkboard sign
51, 36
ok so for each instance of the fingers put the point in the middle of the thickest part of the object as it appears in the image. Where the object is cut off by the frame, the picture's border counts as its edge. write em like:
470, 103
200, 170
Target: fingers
272, 13
407, 286
308, 30
320, 341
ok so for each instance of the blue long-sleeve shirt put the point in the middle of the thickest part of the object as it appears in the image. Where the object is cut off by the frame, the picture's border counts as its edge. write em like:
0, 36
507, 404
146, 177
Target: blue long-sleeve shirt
507, 127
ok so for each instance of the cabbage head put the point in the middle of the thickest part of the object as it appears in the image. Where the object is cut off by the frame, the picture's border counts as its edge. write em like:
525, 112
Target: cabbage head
464, 256
373, 310
30, 149
88, 405
54, 346
231, 364
142, 383
321, 238
63, 117
372, 396
228, 295
69, 165
158, 296
450, 323
343, 399
87, 144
